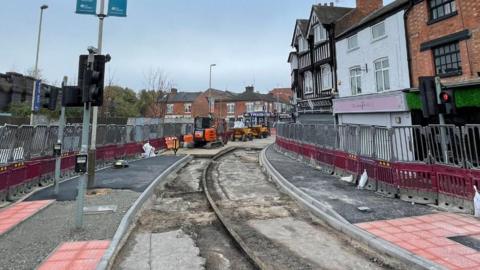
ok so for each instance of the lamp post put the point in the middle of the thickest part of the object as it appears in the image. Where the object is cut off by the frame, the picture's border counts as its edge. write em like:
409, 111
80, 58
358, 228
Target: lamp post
210, 89
35, 71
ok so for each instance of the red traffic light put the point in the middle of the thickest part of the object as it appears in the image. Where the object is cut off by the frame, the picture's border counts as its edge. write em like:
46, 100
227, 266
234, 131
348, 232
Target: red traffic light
445, 97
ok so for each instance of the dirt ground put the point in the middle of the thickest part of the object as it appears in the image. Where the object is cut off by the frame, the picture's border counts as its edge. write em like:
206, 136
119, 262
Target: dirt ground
180, 205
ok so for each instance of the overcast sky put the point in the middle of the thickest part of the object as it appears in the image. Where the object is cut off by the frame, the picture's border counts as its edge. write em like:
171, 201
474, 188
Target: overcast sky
249, 40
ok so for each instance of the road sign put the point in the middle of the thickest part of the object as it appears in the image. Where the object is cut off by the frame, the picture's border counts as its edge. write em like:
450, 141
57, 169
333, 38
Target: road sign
37, 85
117, 8
86, 7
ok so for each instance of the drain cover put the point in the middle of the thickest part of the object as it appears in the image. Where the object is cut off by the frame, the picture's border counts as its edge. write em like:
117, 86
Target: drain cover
468, 241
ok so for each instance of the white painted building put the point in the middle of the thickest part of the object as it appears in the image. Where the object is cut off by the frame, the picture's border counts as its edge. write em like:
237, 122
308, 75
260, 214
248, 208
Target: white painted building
372, 70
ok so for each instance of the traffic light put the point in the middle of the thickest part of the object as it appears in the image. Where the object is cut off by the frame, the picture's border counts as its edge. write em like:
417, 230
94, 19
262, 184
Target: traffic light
447, 98
91, 80
49, 98
72, 96
428, 96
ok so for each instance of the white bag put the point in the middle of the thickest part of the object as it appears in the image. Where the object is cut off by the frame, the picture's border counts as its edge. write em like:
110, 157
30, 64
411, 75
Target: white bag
363, 180
476, 202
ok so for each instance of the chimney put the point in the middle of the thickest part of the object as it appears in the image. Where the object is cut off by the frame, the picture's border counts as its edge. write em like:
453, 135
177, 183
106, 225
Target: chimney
368, 6
174, 91
249, 89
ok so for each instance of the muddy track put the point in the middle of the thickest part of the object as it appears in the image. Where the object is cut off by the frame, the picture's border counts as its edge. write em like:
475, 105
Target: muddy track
270, 227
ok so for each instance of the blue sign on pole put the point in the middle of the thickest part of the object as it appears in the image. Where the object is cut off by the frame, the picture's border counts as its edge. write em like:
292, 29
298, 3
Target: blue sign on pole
37, 85
86, 7
117, 8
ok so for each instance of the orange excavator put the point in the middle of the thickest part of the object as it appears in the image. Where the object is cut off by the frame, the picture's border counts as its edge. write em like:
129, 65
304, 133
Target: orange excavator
210, 132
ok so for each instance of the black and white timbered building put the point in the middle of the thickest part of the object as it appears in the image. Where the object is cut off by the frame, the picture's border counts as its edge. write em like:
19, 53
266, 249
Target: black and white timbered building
313, 63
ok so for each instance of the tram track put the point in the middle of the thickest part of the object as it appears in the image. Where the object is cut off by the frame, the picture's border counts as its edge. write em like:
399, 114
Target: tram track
233, 217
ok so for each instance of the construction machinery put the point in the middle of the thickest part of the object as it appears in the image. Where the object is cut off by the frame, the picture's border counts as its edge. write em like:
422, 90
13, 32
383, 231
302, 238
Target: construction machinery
258, 124
210, 132
242, 134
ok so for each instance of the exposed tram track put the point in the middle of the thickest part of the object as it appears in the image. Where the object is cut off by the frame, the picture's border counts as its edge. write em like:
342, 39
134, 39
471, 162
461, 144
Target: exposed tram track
270, 227
223, 212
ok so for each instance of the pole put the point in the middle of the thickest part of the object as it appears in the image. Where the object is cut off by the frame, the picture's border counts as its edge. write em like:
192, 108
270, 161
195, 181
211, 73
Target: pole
92, 153
210, 90
441, 121
84, 151
35, 70
61, 127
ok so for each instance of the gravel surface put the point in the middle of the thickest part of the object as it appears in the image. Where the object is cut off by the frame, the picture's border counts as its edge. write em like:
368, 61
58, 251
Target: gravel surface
26, 246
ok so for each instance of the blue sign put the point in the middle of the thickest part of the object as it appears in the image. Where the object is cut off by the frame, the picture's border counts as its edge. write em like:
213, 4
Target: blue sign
37, 85
86, 7
117, 8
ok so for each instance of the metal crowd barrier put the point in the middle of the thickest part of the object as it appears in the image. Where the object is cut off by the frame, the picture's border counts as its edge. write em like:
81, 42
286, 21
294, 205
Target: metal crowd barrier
431, 164
26, 152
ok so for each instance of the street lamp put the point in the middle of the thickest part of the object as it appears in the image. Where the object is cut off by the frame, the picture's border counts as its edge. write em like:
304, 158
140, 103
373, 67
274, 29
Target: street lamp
210, 89
35, 71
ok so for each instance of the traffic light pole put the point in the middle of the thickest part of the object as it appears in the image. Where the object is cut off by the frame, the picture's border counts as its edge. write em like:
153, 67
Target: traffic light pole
441, 120
92, 153
58, 158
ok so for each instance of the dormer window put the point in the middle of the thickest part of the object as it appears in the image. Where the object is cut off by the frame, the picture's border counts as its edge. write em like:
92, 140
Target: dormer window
319, 34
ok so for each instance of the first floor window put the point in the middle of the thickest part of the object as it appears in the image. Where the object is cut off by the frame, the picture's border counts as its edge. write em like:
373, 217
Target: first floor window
352, 42
447, 59
308, 83
326, 77
356, 80
378, 30
249, 106
188, 107
169, 108
441, 8
382, 76
230, 107
319, 33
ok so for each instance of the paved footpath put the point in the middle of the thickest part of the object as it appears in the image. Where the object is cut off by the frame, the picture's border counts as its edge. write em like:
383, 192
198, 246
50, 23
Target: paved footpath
451, 240
33, 238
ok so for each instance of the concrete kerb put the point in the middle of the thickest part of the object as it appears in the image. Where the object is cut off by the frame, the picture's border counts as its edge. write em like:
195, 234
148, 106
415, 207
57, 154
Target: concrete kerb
128, 221
329, 216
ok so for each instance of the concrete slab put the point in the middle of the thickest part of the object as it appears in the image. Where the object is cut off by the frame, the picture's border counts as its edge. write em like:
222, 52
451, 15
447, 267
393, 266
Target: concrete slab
170, 250
307, 241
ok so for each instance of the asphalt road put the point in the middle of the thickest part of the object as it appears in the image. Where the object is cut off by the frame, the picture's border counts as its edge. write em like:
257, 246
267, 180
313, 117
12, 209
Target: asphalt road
136, 178
342, 197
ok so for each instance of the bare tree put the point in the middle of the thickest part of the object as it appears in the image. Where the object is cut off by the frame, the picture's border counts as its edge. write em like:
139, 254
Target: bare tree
157, 89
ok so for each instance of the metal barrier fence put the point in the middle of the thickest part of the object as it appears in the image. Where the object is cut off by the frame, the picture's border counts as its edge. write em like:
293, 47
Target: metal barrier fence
24, 143
433, 164
434, 144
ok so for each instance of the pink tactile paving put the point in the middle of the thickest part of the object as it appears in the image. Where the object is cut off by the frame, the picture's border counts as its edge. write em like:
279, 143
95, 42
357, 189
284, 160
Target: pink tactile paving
17, 213
76, 256
426, 236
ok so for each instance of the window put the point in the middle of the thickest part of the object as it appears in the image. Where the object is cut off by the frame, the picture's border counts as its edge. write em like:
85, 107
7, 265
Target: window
353, 42
382, 76
447, 59
356, 80
319, 33
230, 107
302, 44
308, 83
249, 106
326, 77
169, 108
378, 31
441, 8
188, 107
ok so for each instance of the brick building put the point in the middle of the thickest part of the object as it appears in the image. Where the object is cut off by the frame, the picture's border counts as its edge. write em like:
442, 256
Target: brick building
180, 104
444, 41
